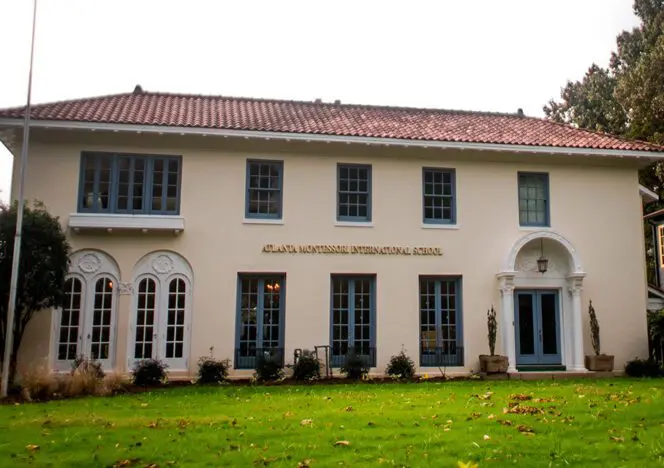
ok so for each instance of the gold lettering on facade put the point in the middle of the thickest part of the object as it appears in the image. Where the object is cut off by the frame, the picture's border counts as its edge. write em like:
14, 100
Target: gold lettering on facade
340, 249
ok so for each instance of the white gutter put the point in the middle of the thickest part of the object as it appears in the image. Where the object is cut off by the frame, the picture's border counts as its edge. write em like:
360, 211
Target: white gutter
648, 194
268, 135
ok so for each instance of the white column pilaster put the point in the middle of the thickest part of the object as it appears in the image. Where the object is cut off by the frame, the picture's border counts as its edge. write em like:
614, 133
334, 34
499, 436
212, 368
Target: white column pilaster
575, 286
506, 284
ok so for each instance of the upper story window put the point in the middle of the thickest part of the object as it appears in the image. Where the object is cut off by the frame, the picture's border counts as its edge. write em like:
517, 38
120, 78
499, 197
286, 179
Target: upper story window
130, 183
438, 193
533, 199
353, 192
264, 189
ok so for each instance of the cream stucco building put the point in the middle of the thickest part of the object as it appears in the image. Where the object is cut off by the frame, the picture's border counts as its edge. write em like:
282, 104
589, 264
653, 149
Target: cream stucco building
252, 226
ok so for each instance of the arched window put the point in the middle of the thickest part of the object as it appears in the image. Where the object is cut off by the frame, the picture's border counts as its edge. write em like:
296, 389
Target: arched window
85, 324
160, 324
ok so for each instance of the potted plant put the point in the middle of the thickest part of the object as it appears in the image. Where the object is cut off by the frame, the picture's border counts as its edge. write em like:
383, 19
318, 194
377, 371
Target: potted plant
492, 364
598, 362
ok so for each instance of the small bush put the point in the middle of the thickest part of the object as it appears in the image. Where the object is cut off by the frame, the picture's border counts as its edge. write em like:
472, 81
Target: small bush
643, 368
307, 367
39, 384
211, 371
115, 383
401, 366
355, 367
148, 372
268, 368
83, 382
89, 366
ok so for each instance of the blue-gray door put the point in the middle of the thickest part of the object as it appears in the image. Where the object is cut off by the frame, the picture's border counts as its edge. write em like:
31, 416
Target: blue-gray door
537, 323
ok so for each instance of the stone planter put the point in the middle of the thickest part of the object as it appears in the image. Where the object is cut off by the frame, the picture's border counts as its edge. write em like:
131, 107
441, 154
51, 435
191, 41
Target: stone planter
599, 363
493, 364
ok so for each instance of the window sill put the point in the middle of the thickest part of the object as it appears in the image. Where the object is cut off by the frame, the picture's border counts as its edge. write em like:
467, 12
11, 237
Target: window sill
535, 228
110, 222
359, 224
440, 226
278, 222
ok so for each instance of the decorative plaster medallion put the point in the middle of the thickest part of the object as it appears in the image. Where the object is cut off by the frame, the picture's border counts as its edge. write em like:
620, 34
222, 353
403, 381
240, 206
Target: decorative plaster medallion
89, 263
162, 264
125, 288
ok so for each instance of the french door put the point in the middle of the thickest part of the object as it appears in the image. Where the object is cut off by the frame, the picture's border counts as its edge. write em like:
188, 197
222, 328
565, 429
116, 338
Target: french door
85, 324
260, 322
353, 319
161, 322
537, 323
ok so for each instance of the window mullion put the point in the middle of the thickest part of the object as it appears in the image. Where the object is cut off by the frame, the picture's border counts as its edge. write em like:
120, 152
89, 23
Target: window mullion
438, 314
114, 185
351, 312
96, 190
147, 189
130, 186
164, 184
260, 314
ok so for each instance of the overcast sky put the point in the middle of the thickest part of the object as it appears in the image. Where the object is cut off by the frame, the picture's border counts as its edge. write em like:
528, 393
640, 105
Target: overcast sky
478, 55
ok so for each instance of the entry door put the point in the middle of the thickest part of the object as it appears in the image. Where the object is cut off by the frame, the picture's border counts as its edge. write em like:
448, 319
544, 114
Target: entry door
537, 323
161, 328
85, 323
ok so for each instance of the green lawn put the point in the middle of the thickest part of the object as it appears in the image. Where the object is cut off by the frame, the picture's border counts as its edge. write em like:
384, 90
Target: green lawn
610, 423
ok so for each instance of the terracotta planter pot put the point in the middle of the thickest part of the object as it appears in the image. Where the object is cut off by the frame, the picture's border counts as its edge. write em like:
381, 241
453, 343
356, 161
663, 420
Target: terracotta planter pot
601, 363
493, 364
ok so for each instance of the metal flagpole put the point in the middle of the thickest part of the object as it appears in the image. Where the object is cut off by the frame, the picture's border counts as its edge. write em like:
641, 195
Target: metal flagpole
9, 332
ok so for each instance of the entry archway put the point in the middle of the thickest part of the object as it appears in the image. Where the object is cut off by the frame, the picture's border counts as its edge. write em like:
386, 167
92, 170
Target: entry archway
551, 301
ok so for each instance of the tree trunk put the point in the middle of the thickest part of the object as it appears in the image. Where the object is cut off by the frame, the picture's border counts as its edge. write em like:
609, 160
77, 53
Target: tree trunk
13, 360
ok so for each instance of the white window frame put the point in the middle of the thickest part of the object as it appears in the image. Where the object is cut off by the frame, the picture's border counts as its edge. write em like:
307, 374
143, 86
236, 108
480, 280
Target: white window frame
88, 266
162, 267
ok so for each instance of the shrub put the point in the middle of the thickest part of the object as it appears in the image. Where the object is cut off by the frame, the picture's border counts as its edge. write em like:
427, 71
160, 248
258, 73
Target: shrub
643, 368
211, 370
268, 367
355, 367
84, 382
149, 372
401, 366
594, 329
39, 383
307, 366
115, 383
89, 366
492, 328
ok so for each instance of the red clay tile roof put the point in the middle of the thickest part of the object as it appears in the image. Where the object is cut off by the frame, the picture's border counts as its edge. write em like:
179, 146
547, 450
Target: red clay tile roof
219, 112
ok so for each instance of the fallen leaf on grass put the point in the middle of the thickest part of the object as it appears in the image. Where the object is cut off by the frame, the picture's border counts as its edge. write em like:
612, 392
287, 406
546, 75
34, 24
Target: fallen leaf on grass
306, 422
288, 414
470, 464
544, 400
486, 437
348, 408
344, 443
32, 447
182, 423
153, 425
505, 422
524, 428
519, 409
491, 416
121, 463
617, 439
304, 463
520, 397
